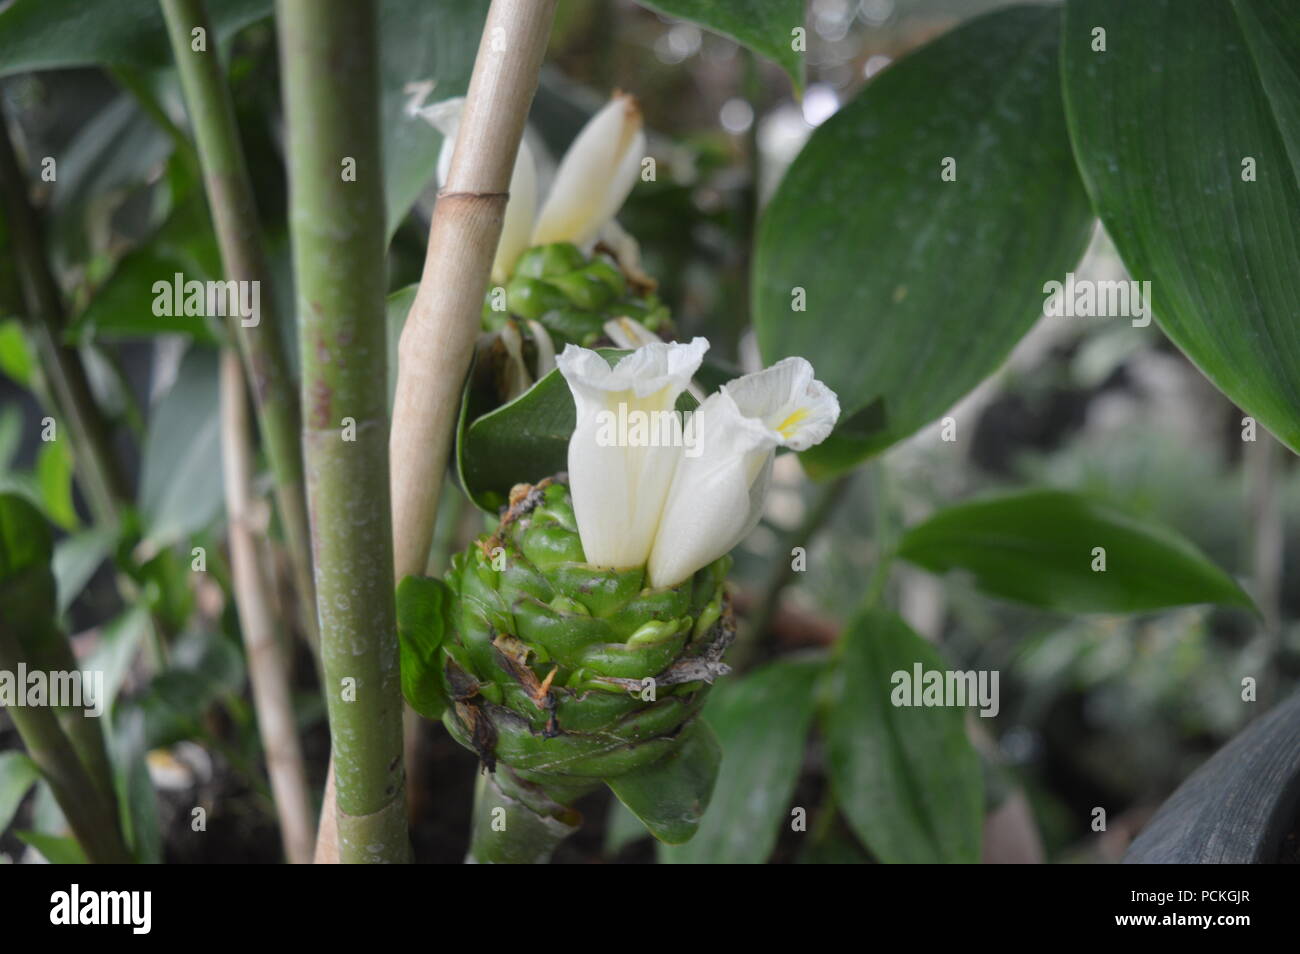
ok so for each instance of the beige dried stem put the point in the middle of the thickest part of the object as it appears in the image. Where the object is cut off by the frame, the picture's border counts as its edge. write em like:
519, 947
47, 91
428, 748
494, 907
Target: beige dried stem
438, 338
257, 620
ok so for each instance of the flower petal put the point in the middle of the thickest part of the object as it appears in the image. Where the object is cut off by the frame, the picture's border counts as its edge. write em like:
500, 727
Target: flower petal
618, 480
595, 176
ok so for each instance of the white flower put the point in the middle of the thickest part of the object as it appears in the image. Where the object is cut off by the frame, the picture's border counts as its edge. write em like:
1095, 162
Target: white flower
521, 207
619, 485
717, 495
595, 177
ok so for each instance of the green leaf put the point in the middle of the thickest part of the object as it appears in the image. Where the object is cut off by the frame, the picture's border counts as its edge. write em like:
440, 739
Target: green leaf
136, 798
622, 828
181, 482
124, 306
420, 41
57, 849
762, 724
76, 558
397, 306
18, 774
1038, 547
1161, 129
16, 361
25, 539
765, 26
424, 608
917, 288
54, 480
906, 778
52, 34
116, 650
671, 795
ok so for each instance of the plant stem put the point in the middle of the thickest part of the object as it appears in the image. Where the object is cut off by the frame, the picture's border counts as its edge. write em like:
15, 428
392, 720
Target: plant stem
92, 817
516, 823
440, 330
331, 93
234, 215
96, 466
266, 666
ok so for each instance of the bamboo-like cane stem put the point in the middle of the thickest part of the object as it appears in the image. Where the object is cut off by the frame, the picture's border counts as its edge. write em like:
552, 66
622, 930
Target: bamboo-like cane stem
266, 665
234, 215
91, 816
438, 337
97, 470
331, 92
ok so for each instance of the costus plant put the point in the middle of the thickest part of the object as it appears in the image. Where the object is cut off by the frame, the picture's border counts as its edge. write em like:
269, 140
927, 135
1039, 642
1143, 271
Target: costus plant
574, 645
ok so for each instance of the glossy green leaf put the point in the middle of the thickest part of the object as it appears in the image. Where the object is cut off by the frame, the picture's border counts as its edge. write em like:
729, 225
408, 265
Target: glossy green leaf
762, 724
905, 777
1039, 547
424, 617
18, 773
181, 482
1166, 123
420, 41
765, 26
915, 289
53, 34
670, 796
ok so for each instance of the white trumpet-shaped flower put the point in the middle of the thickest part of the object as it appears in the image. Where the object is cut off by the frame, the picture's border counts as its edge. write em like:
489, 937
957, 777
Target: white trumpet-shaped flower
595, 177
619, 469
717, 495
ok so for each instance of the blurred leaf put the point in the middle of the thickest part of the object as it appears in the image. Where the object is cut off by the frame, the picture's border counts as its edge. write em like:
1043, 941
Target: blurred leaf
18, 773
917, 288
56, 849
762, 724
16, 360
54, 479
906, 778
120, 148
1221, 253
76, 558
51, 34
124, 306
1036, 547
424, 608
25, 539
671, 795
765, 26
137, 800
180, 482
118, 643
420, 41
203, 667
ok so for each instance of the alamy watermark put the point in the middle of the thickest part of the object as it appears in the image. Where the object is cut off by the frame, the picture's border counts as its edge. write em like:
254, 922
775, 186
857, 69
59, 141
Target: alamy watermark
946, 688
1085, 298
196, 299
59, 688
637, 428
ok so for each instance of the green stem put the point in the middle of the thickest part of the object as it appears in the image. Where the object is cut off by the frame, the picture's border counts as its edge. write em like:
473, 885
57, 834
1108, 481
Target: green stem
782, 572
331, 93
234, 215
96, 466
92, 817
516, 823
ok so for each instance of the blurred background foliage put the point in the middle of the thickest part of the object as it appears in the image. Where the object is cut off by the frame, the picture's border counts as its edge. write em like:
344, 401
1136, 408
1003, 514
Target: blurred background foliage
1095, 710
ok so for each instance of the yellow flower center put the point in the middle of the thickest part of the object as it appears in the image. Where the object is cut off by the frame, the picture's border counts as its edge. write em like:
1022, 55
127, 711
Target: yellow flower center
786, 428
